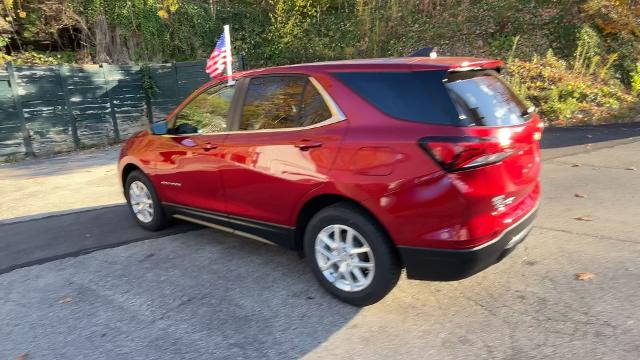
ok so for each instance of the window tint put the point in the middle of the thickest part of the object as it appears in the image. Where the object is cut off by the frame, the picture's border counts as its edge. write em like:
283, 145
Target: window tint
277, 102
314, 109
272, 102
482, 98
207, 113
415, 96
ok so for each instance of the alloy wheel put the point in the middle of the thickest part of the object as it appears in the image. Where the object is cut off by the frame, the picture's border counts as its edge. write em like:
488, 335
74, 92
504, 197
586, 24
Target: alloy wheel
344, 258
141, 201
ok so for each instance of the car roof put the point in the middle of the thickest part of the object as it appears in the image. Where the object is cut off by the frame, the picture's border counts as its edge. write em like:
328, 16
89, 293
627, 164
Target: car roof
392, 63
447, 63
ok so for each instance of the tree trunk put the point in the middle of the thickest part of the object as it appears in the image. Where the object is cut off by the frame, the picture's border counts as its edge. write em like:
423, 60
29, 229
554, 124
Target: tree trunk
212, 8
103, 38
119, 50
109, 45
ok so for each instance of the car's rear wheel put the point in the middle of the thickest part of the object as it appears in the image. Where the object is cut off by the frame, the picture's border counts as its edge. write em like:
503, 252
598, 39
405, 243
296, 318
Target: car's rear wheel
143, 202
351, 255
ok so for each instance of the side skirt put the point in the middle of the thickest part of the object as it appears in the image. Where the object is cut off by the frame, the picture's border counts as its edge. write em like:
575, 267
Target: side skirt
257, 230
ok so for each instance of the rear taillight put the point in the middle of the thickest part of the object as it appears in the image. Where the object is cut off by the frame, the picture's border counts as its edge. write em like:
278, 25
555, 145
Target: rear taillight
537, 135
457, 153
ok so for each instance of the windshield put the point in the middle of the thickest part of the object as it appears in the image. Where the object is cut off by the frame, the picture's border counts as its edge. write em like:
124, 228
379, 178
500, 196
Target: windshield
483, 99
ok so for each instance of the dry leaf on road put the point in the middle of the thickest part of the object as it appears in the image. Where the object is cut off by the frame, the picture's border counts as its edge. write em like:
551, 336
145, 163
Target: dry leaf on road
583, 218
66, 300
575, 165
580, 195
632, 168
22, 356
583, 276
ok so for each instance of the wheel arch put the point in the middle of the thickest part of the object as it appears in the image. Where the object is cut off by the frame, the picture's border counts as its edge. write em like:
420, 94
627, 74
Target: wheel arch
319, 202
128, 169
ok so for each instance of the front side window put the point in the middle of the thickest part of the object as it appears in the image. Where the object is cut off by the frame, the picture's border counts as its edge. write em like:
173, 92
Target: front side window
207, 113
277, 102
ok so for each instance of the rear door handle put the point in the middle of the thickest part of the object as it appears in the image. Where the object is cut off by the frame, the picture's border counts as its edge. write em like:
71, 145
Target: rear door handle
306, 144
209, 146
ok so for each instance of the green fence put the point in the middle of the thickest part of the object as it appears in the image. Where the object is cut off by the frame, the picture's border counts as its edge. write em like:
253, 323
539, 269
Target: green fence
50, 109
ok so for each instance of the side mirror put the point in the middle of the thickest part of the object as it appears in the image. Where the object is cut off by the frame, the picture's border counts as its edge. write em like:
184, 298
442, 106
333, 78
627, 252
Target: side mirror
159, 127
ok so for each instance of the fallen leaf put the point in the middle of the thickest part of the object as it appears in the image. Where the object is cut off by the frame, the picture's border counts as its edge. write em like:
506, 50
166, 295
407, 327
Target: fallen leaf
632, 168
66, 300
583, 276
580, 195
588, 146
576, 165
583, 218
22, 356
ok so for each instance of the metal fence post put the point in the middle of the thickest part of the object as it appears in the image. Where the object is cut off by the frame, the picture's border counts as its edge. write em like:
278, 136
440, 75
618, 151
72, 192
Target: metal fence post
13, 82
67, 102
114, 119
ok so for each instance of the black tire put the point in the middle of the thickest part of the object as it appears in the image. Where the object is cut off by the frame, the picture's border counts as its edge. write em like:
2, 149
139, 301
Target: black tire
160, 220
387, 265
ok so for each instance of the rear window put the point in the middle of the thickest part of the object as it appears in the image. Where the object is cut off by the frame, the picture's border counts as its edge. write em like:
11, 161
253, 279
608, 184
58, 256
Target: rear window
467, 98
414, 96
482, 98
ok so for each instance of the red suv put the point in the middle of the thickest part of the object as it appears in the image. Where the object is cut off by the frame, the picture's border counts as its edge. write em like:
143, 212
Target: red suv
364, 166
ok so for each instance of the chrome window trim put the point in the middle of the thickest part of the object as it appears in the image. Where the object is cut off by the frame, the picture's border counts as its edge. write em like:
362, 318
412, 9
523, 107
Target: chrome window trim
328, 100
336, 116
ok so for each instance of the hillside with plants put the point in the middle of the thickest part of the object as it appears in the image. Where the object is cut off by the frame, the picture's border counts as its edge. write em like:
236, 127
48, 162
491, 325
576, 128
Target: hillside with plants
577, 60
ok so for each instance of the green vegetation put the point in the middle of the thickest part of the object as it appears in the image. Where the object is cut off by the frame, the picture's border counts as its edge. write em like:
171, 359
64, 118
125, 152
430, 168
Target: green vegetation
578, 60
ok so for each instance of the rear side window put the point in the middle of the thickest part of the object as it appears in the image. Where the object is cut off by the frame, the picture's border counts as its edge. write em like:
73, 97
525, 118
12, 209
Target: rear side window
313, 108
276, 102
483, 99
415, 96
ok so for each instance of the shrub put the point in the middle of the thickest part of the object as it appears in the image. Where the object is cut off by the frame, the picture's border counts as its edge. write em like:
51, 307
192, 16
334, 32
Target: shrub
38, 58
635, 80
568, 95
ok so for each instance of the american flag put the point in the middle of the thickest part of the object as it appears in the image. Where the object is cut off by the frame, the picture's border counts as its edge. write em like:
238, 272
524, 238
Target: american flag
218, 59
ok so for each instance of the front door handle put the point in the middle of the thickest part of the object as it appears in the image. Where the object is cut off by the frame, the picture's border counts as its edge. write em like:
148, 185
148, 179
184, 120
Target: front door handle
306, 144
209, 146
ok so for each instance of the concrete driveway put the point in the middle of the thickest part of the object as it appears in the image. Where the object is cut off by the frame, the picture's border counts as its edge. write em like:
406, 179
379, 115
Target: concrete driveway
90, 284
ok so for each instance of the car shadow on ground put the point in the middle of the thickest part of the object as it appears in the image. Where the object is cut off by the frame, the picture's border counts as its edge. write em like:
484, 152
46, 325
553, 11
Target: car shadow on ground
184, 292
56, 236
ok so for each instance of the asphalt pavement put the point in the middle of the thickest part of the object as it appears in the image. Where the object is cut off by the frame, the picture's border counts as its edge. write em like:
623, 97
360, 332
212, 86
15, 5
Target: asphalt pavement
90, 284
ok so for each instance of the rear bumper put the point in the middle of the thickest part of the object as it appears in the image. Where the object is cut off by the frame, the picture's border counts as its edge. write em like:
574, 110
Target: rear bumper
448, 265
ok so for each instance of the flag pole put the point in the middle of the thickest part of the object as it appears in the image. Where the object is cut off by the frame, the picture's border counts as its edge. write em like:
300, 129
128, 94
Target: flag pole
227, 46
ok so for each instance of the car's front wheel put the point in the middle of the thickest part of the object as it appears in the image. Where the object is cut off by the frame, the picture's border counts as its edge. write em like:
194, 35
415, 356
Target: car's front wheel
351, 255
143, 202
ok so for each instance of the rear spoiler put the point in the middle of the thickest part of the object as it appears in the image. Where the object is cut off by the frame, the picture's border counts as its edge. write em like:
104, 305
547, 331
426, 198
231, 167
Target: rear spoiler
431, 52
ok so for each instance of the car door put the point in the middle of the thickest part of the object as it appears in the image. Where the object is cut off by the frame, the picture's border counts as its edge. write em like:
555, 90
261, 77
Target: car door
189, 157
286, 136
